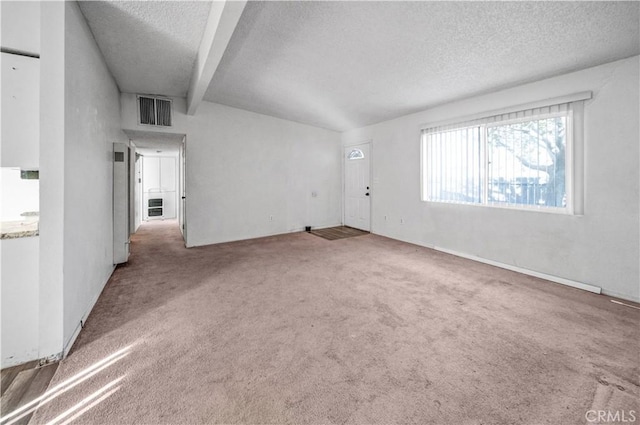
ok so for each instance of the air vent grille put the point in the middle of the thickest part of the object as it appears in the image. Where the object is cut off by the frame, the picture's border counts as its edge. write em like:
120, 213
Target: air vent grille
154, 111
163, 109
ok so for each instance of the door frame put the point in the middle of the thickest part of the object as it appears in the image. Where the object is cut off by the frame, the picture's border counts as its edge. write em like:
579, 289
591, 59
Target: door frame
182, 189
181, 179
344, 186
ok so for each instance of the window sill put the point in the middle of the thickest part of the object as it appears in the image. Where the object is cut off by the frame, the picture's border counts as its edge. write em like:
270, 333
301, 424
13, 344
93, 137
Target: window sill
555, 211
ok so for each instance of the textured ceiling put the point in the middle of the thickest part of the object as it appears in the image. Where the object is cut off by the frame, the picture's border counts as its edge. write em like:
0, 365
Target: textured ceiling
341, 65
149, 46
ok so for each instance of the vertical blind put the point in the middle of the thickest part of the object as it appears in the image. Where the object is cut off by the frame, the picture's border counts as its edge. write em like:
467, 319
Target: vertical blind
516, 158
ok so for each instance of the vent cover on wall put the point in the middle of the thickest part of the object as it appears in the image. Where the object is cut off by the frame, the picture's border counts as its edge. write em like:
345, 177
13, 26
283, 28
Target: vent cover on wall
154, 111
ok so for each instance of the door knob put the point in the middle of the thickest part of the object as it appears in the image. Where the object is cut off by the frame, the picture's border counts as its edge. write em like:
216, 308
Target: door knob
366, 194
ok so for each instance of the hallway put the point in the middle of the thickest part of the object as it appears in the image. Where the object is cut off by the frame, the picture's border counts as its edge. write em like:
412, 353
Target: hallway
298, 329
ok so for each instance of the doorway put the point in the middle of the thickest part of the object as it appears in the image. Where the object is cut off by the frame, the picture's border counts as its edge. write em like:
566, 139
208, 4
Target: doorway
159, 178
357, 186
160, 185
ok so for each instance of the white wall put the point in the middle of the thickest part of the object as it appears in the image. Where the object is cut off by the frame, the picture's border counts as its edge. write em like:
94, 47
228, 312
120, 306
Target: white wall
244, 168
52, 138
599, 248
19, 305
19, 276
92, 125
251, 175
20, 106
21, 26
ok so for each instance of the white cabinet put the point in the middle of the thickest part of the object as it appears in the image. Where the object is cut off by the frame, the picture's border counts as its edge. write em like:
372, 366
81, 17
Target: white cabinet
151, 174
168, 174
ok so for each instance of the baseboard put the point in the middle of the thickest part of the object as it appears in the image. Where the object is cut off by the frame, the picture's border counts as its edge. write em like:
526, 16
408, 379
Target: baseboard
560, 280
620, 296
51, 359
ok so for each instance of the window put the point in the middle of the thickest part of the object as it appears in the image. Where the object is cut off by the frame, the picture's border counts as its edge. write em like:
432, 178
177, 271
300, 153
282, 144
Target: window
520, 159
355, 154
526, 162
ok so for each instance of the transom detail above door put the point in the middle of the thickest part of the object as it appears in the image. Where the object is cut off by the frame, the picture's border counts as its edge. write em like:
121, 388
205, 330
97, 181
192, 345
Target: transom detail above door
355, 154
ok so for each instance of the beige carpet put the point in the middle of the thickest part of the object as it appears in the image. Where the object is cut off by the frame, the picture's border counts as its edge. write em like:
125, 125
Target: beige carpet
298, 329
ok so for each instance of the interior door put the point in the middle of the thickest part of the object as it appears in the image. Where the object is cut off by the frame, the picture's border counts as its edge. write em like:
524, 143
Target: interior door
357, 190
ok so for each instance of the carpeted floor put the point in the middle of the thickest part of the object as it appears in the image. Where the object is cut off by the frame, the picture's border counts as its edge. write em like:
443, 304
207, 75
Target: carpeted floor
298, 329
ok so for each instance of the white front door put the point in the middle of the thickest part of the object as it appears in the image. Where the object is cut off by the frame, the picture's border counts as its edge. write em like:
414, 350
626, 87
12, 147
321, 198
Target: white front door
357, 199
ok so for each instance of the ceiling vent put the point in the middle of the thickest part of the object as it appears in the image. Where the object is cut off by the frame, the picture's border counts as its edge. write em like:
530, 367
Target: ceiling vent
154, 111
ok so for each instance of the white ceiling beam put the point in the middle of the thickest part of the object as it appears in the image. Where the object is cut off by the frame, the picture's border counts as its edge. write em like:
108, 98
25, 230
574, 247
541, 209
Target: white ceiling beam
223, 19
